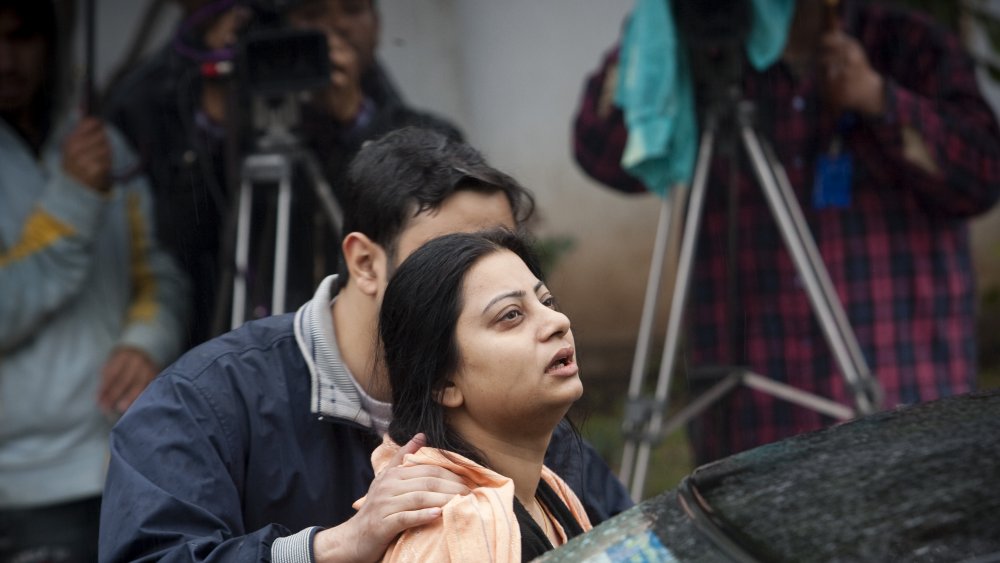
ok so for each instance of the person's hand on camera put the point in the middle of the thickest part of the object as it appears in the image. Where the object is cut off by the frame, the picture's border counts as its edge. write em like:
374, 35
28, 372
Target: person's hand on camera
399, 498
86, 155
849, 79
344, 97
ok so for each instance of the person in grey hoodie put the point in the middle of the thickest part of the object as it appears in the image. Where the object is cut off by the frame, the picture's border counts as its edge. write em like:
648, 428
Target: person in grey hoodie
90, 308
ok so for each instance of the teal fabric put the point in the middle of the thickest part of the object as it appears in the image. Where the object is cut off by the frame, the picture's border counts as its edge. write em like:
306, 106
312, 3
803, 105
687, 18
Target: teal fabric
656, 93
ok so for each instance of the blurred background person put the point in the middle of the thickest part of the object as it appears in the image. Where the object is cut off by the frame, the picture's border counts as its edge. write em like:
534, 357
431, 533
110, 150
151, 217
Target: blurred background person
91, 308
895, 96
173, 108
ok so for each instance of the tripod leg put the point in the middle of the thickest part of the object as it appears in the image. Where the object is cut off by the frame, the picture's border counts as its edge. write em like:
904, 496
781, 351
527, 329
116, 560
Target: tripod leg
703, 401
802, 247
696, 204
281, 246
324, 193
242, 254
645, 334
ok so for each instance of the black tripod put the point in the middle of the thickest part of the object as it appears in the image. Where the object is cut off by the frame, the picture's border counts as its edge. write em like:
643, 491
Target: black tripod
644, 423
279, 154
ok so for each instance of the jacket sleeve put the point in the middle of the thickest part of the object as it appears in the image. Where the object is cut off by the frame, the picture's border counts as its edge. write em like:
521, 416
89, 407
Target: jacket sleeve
175, 482
578, 464
938, 137
599, 132
160, 303
47, 263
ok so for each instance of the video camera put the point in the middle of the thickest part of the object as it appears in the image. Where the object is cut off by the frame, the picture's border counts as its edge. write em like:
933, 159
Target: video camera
274, 60
276, 65
714, 33
707, 24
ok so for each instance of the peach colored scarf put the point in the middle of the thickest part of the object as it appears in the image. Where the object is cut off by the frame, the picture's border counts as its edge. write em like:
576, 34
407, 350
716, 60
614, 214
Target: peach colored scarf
479, 526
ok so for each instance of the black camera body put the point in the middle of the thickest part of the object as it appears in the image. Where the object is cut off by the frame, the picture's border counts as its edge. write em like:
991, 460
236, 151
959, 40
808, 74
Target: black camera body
712, 24
714, 33
273, 59
277, 61
276, 67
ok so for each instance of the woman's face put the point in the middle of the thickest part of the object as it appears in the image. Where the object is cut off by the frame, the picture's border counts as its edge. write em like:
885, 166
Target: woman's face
517, 362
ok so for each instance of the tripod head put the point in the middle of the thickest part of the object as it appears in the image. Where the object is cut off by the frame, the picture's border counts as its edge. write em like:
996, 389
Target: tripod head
714, 32
277, 67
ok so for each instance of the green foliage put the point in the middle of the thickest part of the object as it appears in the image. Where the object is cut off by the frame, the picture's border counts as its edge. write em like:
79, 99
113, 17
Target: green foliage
551, 249
988, 329
670, 460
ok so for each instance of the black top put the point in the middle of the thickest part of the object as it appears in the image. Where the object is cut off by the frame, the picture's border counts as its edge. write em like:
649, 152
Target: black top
534, 542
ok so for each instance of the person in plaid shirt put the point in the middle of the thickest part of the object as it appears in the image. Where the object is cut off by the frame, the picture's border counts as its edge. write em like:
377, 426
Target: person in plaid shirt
898, 96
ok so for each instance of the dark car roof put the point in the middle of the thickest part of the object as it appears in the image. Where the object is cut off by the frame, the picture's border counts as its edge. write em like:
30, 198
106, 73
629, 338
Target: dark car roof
920, 483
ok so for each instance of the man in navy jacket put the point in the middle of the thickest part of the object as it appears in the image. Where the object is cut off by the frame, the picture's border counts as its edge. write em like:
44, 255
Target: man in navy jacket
254, 441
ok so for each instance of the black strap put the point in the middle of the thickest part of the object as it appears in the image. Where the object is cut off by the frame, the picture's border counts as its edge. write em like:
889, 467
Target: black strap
534, 542
559, 510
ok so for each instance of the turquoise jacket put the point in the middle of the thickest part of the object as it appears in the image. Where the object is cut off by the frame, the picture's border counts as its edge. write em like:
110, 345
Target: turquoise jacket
80, 274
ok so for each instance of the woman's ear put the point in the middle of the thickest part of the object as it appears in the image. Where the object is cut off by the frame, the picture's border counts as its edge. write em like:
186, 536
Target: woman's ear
366, 262
450, 396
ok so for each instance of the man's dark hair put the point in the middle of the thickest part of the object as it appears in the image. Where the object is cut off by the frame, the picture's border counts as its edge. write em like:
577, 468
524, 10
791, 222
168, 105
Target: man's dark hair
411, 171
39, 17
417, 322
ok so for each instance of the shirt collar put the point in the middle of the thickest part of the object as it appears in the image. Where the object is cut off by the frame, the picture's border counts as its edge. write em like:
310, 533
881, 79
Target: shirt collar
334, 389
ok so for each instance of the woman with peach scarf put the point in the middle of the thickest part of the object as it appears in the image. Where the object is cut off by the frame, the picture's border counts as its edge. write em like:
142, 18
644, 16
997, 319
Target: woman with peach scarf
483, 365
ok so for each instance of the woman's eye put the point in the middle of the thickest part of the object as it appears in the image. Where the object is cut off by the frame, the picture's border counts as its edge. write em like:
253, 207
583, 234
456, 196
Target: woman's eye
550, 302
511, 315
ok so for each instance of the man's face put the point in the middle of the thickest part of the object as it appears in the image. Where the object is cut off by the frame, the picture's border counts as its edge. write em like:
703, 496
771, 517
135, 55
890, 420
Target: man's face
355, 21
22, 63
465, 211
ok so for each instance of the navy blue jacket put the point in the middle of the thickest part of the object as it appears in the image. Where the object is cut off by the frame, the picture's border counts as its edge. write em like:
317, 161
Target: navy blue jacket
221, 455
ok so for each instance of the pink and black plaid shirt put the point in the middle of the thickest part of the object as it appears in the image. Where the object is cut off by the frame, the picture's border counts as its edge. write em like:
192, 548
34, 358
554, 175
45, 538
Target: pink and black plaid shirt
898, 254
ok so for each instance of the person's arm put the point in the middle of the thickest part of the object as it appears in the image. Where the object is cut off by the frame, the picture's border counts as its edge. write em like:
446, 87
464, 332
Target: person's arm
45, 266
599, 132
176, 481
159, 305
173, 490
936, 136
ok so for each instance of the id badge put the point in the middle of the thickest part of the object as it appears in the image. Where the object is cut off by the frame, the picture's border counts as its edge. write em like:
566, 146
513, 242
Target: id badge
832, 186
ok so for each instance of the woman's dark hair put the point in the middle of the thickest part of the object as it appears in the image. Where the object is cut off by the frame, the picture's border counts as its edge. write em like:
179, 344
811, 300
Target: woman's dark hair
417, 322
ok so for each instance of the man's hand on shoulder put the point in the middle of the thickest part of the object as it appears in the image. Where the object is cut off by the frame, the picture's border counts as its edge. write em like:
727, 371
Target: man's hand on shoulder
399, 498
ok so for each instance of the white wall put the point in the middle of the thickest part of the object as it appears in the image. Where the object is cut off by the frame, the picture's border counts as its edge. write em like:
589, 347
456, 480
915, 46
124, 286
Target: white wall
116, 21
420, 44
